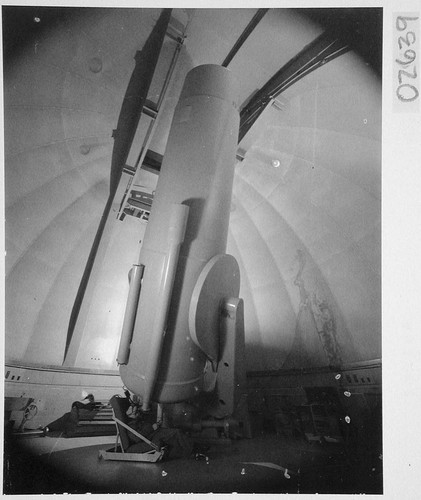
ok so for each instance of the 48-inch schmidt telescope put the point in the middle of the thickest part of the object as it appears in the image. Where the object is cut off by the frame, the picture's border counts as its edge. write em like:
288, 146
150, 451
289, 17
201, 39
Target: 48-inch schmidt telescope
183, 324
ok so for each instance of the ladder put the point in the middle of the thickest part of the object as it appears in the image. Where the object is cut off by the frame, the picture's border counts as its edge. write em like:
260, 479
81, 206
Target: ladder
152, 110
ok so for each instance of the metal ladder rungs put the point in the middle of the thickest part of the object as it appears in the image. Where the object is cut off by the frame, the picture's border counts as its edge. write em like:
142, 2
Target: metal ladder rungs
150, 109
174, 33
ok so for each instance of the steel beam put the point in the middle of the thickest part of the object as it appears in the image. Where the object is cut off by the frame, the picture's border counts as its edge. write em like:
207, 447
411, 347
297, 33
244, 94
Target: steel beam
244, 35
323, 49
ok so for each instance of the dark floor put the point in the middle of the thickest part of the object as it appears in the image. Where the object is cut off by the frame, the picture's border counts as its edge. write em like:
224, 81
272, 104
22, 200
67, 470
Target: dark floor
264, 464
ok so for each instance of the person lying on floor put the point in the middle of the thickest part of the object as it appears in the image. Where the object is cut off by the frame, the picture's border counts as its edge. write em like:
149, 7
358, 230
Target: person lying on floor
84, 409
178, 445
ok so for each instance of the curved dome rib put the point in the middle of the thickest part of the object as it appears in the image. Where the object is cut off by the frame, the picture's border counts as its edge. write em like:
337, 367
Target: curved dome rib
51, 199
369, 283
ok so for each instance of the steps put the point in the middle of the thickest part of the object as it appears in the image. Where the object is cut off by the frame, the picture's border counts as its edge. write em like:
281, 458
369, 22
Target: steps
102, 423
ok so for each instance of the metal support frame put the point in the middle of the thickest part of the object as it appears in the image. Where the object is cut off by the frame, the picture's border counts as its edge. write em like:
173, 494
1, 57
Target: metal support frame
154, 455
244, 35
149, 456
140, 436
231, 385
152, 111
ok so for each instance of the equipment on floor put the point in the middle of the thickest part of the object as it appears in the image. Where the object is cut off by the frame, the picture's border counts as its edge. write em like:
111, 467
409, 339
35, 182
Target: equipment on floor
100, 424
124, 449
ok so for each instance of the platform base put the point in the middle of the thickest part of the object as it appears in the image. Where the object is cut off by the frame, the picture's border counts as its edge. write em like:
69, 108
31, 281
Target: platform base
150, 456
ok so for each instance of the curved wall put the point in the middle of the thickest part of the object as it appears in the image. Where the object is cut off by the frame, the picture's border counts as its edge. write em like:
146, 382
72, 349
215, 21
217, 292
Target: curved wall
305, 231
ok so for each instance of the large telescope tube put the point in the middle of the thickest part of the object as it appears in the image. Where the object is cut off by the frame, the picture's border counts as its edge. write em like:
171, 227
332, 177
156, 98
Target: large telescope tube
164, 364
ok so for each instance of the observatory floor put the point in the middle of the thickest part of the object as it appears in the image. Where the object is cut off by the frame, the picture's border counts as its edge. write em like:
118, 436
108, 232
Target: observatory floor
264, 464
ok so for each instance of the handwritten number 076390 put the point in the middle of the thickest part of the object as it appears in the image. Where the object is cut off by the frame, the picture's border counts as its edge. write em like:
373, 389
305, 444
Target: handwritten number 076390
406, 92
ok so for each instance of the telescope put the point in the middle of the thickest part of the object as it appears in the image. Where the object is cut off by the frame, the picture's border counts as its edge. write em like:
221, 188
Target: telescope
183, 330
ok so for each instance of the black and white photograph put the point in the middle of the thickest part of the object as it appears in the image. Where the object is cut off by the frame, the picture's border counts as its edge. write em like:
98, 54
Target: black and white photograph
198, 249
